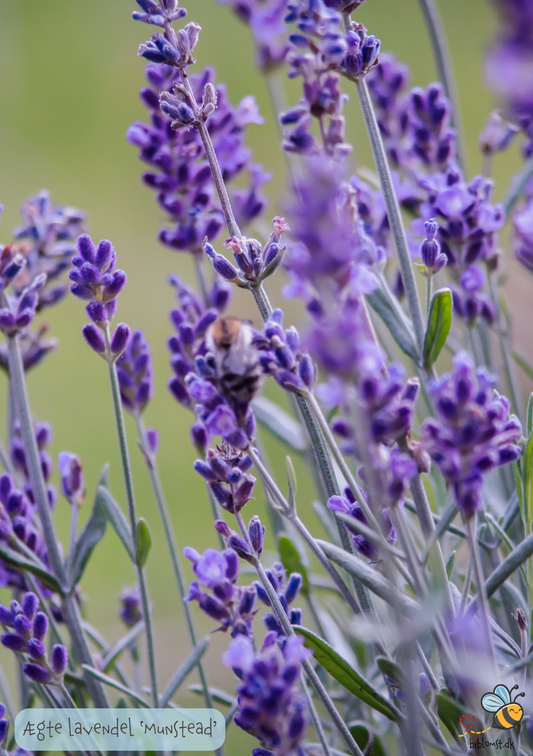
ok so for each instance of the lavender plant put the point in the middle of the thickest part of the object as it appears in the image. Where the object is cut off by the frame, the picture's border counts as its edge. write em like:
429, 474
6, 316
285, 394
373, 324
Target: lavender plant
415, 575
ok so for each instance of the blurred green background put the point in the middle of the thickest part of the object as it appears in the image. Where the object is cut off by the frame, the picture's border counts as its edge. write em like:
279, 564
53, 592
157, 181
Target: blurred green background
69, 78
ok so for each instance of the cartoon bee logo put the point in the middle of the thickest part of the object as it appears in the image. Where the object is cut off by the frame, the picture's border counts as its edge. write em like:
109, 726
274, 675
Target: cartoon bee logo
507, 713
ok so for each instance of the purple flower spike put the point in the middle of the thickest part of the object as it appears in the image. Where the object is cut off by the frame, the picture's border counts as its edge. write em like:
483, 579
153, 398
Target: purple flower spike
72, 481
270, 705
472, 432
135, 374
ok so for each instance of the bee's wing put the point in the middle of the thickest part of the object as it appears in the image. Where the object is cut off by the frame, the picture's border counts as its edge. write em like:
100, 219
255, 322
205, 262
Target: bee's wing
491, 702
503, 692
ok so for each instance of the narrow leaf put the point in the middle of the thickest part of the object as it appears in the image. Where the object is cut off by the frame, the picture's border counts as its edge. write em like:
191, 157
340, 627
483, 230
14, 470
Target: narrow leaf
92, 533
117, 520
327, 520
385, 304
391, 669
113, 653
449, 712
291, 482
21, 564
529, 421
341, 671
450, 563
217, 696
115, 684
144, 542
438, 326
527, 477
366, 574
280, 423
517, 557
186, 668
292, 561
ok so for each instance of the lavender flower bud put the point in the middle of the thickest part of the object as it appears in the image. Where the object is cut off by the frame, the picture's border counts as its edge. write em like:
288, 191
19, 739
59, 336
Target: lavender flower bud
97, 312
4, 726
120, 339
152, 440
94, 338
14, 642
40, 625
72, 481
497, 135
59, 659
521, 620
256, 531
37, 673
22, 625
222, 528
36, 649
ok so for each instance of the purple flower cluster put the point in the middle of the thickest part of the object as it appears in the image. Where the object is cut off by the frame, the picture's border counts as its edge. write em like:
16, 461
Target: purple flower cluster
28, 628
287, 590
271, 707
19, 310
347, 505
47, 240
179, 171
319, 49
43, 437
17, 515
130, 605
95, 279
472, 432
254, 262
414, 124
249, 548
509, 63
468, 235
135, 374
283, 357
267, 25
228, 603
226, 470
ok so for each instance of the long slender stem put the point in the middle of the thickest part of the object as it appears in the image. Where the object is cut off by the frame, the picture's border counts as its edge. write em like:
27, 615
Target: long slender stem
308, 667
74, 517
393, 211
515, 395
130, 497
445, 71
172, 546
317, 724
429, 292
480, 584
72, 618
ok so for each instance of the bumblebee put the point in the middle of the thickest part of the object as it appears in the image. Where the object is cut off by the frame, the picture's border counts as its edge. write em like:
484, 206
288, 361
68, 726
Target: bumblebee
507, 713
236, 356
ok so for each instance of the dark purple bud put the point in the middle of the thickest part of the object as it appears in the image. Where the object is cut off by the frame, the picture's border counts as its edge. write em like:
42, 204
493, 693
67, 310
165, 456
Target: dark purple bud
40, 625
238, 544
521, 620
256, 531
115, 286
105, 255
204, 469
307, 371
59, 659
233, 564
86, 248
94, 338
36, 649
222, 528
7, 616
200, 436
22, 624
224, 268
14, 642
152, 440
97, 312
294, 584
37, 673
120, 338
221, 494
4, 725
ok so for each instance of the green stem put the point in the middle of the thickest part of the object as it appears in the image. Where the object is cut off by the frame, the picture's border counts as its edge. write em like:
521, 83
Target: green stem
482, 602
157, 488
308, 667
393, 212
445, 71
429, 293
130, 497
317, 724
72, 618
74, 517
517, 187
515, 396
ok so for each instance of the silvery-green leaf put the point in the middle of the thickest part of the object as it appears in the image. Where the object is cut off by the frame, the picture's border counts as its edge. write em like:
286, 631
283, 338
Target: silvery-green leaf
117, 519
92, 533
184, 670
385, 304
292, 561
279, 422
